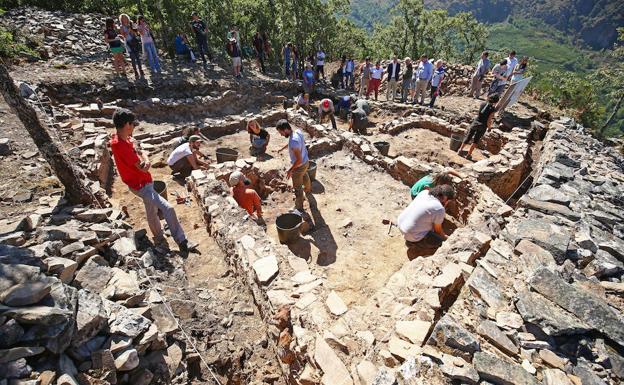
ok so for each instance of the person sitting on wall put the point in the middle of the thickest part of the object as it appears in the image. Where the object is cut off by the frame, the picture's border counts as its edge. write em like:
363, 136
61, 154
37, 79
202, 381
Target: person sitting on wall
258, 137
247, 198
421, 222
185, 158
326, 110
429, 181
480, 124
358, 121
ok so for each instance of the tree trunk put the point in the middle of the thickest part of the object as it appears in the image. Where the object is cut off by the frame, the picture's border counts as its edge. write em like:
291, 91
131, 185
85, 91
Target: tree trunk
612, 116
75, 191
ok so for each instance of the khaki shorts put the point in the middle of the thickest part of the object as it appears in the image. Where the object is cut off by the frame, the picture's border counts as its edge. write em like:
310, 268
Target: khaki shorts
236, 61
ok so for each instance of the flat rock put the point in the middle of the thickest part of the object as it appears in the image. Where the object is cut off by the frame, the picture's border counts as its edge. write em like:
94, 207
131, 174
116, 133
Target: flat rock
39, 315
335, 304
449, 336
552, 359
366, 371
555, 377
124, 321
94, 275
91, 317
24, 294
547, 193
127, 360
551, 237
334, 370
121, 286
488, 330
456, 368
551, 319
498, 371
401, 349
163, 319
487, 288
63, 268
266, 269
8, 355
588, 307
413, 331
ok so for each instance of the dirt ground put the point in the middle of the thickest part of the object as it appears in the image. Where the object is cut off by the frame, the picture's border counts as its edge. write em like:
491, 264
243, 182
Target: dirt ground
229, 330
348, 244
427, 146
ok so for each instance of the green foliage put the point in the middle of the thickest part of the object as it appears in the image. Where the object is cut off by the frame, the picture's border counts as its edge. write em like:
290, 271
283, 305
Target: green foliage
10, 48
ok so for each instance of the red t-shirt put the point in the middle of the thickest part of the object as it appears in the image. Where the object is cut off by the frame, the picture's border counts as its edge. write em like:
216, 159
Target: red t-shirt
248, 199
126, 158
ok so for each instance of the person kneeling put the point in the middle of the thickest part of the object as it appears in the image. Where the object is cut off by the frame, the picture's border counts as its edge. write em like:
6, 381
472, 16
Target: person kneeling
421, 222
258, 137
185, 158
246, 198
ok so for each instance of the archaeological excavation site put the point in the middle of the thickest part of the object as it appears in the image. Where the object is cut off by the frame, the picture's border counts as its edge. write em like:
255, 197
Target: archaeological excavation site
527, 289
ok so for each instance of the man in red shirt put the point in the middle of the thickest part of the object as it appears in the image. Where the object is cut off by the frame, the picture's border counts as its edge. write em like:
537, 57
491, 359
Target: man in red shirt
133, 167
245, 197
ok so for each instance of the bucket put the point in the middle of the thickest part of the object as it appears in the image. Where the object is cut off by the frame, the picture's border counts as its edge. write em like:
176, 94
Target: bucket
456, 141
288, 227
226, 155
161, 188
383, 147
312, 171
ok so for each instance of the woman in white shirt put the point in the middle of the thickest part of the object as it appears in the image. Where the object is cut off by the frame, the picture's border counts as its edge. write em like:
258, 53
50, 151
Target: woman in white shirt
376, 73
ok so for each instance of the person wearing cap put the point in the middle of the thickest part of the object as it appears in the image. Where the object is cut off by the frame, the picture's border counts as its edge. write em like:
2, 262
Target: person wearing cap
480, 124
326, 109
299, 161
258, 137
185, 158
235, 54
133, 166
246, 198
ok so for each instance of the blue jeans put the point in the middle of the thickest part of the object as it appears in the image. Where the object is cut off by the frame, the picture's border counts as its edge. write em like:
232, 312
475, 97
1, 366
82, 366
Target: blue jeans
152, 56
153, 203
348, 79
287, 67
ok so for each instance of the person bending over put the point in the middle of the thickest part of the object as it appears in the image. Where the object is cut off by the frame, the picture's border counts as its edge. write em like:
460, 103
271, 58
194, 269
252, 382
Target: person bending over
246, 197
258, 137
480, 124
185, 158
429, 181
326, 110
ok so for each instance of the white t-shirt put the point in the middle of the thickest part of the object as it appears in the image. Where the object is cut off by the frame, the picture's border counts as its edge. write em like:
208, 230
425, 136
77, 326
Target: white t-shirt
320, 58
420, 216
180, 152
376, 73
511, 64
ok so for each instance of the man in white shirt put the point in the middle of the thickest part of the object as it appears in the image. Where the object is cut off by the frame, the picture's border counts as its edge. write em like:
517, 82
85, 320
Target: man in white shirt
512, 61
421, 222
394, 71
376, 74
326, 110
320, 64
185, 158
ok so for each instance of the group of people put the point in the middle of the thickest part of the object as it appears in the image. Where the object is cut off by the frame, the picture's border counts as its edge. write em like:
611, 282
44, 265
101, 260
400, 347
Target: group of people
508, 71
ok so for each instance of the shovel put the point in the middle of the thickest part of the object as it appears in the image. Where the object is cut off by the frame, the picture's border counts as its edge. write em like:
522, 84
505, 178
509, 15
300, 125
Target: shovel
388, 222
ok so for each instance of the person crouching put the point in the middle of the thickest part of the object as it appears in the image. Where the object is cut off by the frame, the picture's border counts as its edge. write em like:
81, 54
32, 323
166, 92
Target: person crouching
258, 137
185, 158
247, 198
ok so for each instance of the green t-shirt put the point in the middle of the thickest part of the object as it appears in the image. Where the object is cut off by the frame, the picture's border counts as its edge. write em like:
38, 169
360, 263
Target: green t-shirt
425, 181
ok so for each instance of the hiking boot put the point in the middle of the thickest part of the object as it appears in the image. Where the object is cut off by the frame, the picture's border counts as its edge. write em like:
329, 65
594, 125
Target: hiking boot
188, 245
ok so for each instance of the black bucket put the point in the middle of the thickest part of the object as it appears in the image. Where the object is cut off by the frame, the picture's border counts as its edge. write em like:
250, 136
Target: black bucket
456, 141
161, 189
226, 155
383, 147
312, 170
288, 227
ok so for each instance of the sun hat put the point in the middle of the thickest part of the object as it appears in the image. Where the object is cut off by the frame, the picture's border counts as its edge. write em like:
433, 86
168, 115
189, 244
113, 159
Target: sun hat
195, 138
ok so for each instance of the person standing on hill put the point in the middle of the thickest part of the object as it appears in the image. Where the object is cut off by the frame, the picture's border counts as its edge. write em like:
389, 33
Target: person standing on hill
394, 72
308, 80
480, 124
199, 29
295, 63
376, 73
234, 52
149, 48
406, 84
500, 79
299, 161
133, 45
422, 74
483, 67
258, 44
512, 61
286, 54
348, 75
320, 64
520, 70
112, 38
133, 166
436, 81
365, 72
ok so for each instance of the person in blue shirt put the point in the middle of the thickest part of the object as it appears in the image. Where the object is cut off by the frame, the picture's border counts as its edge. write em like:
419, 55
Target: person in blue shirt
348, 73
422, 75
308, 80
286, 53
436, 81
299, 161
182, 47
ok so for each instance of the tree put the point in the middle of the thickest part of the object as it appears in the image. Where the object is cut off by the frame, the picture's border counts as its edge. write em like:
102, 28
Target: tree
69, 176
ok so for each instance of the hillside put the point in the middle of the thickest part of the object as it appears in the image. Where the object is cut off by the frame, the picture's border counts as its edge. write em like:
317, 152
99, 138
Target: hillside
595, 22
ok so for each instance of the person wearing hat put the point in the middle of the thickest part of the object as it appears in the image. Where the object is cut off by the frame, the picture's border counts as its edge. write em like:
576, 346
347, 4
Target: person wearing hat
133, 166
326, 109
235, 54
299, 161
246, 198
185, 158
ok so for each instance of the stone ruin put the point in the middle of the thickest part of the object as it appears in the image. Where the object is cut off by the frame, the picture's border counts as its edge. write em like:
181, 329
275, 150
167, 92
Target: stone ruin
527, 289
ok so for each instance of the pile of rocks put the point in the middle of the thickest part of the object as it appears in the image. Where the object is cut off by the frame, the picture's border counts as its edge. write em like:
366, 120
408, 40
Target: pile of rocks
73, 310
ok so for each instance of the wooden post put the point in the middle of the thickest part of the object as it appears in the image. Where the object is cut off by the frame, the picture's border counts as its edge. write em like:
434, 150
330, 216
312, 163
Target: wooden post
75, 190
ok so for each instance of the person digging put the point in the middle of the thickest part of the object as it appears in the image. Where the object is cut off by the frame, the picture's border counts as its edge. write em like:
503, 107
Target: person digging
247, 198
358, 118
421, 222
133, 166
185, 158
326, 110
299, 161
480, 125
